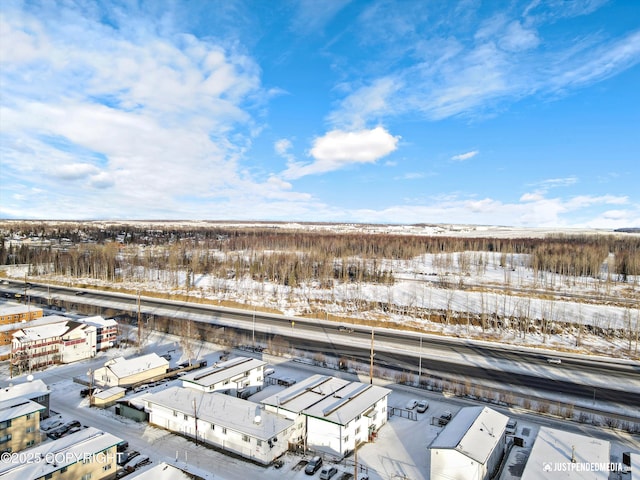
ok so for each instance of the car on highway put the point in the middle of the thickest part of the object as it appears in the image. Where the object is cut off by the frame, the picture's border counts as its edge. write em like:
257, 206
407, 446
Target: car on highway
345, 329
422, 406
555, 361
314, 464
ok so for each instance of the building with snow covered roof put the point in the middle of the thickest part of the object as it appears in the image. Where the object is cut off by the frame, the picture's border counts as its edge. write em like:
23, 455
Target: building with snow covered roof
223, 421
235, 375
86, 454
106, 331
557, 453
19, 424
35, 390
165, 471
12, 317
471, 446
330, 413
63, 341
121, 372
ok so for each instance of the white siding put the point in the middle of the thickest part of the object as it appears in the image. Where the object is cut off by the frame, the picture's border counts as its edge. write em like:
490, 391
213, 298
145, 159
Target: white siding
448, 464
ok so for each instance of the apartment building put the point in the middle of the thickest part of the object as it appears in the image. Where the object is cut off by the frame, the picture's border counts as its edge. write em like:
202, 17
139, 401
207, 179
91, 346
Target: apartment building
19, 424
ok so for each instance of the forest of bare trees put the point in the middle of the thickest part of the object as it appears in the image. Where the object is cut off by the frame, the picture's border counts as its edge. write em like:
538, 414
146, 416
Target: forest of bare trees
291, 258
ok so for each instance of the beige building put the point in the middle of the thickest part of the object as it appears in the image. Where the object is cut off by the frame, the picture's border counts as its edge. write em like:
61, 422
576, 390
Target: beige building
87, 454
108, 397
121, 372
19, 424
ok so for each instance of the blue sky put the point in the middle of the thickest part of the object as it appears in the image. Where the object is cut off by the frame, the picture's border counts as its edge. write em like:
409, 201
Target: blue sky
500, 113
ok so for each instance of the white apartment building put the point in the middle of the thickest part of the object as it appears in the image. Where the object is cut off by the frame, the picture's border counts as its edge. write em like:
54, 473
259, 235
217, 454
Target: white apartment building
223, 421
331, 414
232, 376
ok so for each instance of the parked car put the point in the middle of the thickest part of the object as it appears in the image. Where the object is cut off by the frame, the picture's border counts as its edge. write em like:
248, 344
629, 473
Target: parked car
327, 472
314, 464
512, 424
422, 406
138, 461
411, 404
166, 356
269, 371
124, 457
345, 329
122, 446
52, 426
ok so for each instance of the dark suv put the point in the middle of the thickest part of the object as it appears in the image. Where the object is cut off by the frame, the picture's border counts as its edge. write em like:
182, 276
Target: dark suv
312, 467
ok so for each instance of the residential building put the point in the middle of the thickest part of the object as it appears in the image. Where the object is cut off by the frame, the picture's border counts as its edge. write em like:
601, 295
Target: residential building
121, 372
558, 453
232, 376
88, 454
106, 331
35, 390
19, 424
331, 414
471, 446
222, 421
165, 471
12, 317
108, 397
64, 341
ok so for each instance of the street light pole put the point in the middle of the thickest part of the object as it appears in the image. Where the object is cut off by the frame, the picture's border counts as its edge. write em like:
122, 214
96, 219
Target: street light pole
371, 359
420, 364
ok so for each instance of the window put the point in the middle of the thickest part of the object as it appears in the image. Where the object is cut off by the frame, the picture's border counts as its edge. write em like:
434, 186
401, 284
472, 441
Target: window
106, 467
63, 469
5, 424
186, 417
357, 418
29, 416
86, 476
259, 443
175, 414
31, 429
213, 427
5, 438
245, 438
346, 438
357, 430
48, 476
224, 430
31, 443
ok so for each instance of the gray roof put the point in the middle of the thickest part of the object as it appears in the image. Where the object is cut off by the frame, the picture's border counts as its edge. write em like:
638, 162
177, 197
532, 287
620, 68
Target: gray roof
222, 371
474, 432
329, 398
224, 410
63, 451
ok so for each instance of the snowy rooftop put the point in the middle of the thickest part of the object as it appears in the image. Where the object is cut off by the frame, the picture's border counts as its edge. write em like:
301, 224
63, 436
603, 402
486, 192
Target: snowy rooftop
63, 451
41, 332
15, 408
109, 392
329, 398
474, 432
16, 308
33, 323
25, 390
635, 466
224, 410
223, 371
123, 368
553, 451
99, 321
163, 471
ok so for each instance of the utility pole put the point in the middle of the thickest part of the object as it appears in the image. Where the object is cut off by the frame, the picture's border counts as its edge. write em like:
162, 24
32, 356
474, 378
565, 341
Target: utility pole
139, 323
371, 359
420, 364
195, 419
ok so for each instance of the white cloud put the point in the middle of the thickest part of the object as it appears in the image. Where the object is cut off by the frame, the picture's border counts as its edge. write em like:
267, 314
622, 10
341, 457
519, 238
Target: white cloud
74, 171
464, 156
338, 149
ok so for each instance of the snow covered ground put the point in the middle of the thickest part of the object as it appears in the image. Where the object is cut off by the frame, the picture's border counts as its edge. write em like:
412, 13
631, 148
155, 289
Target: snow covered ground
400, 450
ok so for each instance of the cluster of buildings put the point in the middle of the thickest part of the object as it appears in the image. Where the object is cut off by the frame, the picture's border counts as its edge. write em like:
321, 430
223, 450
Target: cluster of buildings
474, 446
32, 341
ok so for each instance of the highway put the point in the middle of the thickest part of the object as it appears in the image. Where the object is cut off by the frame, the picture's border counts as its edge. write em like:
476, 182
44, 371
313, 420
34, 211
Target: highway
399, 350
